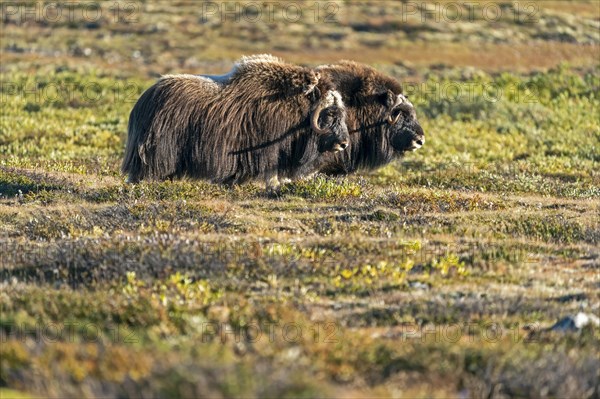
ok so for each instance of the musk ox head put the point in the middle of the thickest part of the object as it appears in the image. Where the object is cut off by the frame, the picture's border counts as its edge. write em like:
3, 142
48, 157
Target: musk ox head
381, 120
405, 133
328, 121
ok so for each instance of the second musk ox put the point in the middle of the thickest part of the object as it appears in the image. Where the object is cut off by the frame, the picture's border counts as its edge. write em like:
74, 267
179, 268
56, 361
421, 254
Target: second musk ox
265, 119
382, 121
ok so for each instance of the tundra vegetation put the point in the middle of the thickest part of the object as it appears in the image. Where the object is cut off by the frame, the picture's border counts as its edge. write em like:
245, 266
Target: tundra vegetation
431, 277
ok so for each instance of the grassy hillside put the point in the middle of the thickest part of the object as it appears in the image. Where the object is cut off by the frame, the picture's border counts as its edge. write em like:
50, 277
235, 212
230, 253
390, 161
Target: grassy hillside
434, 276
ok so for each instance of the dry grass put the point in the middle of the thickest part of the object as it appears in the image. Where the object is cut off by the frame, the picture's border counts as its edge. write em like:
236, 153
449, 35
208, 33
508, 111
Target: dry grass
399, 279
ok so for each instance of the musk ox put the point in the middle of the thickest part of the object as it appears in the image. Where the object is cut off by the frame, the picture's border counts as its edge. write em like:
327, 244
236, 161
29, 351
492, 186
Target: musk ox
265, 119
382, 122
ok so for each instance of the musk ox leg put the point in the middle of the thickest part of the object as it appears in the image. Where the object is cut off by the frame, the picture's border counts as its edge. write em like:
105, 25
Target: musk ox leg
132, 180
306, 177
272, 183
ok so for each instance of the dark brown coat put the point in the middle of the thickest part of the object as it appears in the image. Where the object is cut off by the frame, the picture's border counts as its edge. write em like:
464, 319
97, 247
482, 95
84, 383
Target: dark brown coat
381, 120
265, 119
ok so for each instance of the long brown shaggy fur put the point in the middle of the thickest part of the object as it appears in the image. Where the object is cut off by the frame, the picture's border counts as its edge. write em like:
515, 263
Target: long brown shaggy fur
370, 99
253, 122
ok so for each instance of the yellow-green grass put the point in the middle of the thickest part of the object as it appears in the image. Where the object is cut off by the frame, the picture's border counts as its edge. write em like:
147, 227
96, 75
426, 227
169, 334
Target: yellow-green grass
435, 276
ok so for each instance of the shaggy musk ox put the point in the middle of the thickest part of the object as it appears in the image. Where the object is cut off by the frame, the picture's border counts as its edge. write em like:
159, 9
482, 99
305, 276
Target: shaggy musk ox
382, 122
265, 119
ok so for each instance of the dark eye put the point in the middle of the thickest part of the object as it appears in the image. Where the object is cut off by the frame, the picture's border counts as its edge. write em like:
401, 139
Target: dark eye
326, 118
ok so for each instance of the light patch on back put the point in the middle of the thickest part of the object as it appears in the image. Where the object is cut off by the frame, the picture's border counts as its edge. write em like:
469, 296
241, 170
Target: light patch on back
219, 79
249, 61
205, 79
257, 58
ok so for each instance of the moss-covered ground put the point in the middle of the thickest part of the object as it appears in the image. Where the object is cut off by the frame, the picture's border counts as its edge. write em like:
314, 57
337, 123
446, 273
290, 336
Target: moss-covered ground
435, 276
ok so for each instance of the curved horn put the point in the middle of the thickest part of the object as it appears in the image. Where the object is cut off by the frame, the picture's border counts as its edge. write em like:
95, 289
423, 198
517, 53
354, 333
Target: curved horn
314, 121
393, 121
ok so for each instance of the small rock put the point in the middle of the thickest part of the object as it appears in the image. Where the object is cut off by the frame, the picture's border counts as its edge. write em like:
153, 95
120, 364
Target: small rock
418, 285
240, 349
575, 323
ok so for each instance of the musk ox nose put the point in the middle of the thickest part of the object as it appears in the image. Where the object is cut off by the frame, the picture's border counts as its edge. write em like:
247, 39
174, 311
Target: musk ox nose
339, 146
418, 143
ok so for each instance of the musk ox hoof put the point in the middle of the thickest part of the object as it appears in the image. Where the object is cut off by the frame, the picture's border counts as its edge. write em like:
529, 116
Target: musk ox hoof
273, 192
